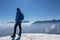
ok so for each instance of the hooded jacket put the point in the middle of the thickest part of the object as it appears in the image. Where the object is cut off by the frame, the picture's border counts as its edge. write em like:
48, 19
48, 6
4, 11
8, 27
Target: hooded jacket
17, 16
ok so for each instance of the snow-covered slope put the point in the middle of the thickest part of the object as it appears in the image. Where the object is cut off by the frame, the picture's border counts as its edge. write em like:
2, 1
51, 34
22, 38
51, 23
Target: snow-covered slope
34, 37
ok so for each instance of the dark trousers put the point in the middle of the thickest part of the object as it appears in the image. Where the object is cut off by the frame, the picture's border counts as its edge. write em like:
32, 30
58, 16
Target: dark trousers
20, 29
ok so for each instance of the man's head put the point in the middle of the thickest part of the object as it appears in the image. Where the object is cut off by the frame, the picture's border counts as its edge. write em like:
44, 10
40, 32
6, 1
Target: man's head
18, 9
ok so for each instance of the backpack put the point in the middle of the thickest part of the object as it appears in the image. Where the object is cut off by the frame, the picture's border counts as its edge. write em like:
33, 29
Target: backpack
21, 16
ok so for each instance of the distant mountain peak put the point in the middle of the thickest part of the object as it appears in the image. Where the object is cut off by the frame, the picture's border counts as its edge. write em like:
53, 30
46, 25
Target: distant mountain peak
48, 21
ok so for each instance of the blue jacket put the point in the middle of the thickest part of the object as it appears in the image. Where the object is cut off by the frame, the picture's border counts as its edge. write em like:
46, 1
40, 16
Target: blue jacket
17, 16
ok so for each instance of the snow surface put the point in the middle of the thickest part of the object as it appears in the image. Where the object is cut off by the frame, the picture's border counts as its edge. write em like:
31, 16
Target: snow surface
32, 36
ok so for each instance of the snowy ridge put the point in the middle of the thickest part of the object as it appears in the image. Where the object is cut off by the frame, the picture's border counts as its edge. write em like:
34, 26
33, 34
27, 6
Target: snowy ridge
34, 37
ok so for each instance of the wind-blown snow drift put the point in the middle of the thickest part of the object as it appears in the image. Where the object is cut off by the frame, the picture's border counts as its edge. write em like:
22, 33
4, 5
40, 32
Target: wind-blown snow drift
34, 37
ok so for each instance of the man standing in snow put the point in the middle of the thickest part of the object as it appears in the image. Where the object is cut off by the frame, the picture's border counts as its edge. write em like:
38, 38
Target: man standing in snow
18, 20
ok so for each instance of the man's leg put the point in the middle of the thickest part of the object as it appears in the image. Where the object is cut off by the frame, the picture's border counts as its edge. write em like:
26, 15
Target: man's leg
20, 29
14, 30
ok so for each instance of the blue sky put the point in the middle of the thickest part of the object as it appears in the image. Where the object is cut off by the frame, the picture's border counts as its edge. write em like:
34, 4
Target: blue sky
32, 9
